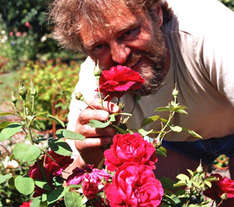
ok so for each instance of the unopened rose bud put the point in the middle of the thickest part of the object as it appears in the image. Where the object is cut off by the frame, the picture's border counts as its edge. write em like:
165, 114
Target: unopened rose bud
97, 71
79, 96
22, 91
175, 92
13, 99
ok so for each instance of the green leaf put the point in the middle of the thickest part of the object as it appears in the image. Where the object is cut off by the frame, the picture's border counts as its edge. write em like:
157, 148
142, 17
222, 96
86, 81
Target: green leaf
144, 132
26, 152
9, 131
6, 113
176, 129
162, 109
46, 115
4, 124
182, 177
73, 199
35, 202
193, 133
99, 124
55, 195
24, 185
149, 120
60, 147
161, 151
56, 119
4, 178
42, 184
63, 133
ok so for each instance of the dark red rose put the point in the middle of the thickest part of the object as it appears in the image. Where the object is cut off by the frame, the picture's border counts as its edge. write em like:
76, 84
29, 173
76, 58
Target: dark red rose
26, 204
46, 168
119, 79
129, 148
90, 189
219, 187
134, 185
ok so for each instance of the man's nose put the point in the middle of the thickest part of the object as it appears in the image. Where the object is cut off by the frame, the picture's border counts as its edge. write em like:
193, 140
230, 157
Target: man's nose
119, 52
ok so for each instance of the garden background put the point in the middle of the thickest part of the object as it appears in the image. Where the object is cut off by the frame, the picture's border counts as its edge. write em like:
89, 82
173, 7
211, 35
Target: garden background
29, 55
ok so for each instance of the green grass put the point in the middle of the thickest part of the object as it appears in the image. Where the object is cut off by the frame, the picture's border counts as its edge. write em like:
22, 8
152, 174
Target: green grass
8, 84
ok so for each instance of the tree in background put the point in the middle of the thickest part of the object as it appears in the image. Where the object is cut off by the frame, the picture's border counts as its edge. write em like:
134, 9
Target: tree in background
26, 32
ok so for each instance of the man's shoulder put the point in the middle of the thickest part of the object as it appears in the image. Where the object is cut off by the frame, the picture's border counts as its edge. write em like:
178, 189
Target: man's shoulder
199, 17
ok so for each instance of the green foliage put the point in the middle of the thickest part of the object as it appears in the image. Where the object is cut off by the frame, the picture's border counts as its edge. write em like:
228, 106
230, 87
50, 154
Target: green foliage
27, 33
228, 3
24, 185
54, 84
73, 199
26, 152
191, 188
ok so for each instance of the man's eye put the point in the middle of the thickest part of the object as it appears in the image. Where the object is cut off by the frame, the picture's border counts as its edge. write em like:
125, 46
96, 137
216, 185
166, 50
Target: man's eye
99, 47
130, 33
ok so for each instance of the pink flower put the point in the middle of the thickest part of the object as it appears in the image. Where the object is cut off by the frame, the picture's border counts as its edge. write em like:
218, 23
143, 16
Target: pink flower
119, 79
129, 148
11, 34
90, 178
47, 168
26, 204
134, 185
219, 187
18, 34
27, 24
87, 173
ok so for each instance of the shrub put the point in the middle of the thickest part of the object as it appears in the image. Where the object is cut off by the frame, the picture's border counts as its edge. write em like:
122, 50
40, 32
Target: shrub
54, 83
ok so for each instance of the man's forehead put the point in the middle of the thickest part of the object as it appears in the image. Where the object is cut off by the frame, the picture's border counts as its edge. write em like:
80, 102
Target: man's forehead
112, 23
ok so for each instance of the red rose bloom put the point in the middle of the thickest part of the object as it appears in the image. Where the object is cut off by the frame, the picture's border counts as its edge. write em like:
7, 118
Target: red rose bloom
134, 185
129, 148
119, 79
50, 169
26, 204
219, 187
90, 189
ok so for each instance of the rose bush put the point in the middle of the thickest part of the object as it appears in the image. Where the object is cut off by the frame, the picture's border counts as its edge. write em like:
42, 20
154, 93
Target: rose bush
49, 166
223, 186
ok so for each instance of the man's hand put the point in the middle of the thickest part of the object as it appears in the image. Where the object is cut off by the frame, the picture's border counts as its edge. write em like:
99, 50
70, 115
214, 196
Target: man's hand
91, 149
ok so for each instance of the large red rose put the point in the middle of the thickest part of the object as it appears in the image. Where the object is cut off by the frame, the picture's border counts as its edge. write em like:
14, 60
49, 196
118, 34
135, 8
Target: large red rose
219, 187
129, 148
119, 79
48, 167
26, 204
134, 185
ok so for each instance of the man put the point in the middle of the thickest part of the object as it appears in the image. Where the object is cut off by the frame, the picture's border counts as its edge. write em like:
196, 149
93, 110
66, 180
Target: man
175, 42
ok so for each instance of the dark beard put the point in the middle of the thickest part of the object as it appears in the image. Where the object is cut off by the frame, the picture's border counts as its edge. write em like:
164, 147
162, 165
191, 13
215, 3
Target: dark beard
154, 84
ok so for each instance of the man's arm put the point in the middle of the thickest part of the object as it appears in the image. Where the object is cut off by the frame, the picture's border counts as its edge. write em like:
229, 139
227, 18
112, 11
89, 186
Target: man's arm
90, 150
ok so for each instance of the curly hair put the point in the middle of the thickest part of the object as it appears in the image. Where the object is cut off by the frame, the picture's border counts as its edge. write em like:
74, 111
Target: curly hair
66, 16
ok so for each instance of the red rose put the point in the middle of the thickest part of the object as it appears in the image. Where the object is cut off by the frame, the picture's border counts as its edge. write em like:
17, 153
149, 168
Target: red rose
219, 187
134, 185
119, 79
49, 167
129, 148
26, 204
90, 189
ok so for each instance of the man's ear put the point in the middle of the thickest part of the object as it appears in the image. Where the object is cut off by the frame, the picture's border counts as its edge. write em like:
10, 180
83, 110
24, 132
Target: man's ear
157, 13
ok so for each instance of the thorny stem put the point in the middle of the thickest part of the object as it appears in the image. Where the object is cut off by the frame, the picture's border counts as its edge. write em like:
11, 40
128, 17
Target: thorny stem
162, 131
220, 203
